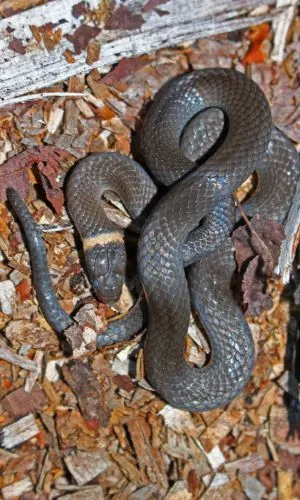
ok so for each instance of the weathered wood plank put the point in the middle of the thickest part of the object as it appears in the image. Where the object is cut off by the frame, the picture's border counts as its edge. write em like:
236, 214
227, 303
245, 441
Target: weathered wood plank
182, 21
289, 245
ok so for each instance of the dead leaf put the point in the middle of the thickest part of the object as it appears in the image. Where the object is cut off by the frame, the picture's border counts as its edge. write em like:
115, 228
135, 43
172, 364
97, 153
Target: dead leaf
124, 19
152, 4
257, 253
14, 172
256, 35
254, 288
17, 46
82, 36
127, 66
80, 9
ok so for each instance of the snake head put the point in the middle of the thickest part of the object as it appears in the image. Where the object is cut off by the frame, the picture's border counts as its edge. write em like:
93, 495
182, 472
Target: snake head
105, 265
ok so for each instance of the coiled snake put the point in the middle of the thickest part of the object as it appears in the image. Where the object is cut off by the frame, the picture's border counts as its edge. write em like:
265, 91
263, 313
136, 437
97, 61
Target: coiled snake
180, 127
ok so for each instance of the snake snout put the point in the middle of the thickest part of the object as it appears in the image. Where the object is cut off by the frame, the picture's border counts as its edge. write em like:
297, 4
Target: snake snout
105, 266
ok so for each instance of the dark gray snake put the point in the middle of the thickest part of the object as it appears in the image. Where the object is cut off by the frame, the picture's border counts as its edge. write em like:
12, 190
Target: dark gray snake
189, 226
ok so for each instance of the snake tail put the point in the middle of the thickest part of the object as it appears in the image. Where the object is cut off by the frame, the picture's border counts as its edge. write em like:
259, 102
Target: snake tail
48, 302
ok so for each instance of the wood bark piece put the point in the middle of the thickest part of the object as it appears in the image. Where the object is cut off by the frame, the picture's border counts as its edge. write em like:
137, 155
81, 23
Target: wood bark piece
253, 488
285, 485
7, 296
33, 376
86, 466
221, 427
149, 459
92, 493
178, 420
19, 403
246, 465
288, 247
17, 489
129, 469
91, 398
281, 26
283, 428
183, 21
16, 359
20, 431
179, 491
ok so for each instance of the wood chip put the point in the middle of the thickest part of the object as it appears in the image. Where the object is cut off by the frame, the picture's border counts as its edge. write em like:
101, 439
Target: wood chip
266, 402
15, 359
149, 492
221, 426
215, 458
253, 488
82, 339
17, 489
19, 402
179, 491
281, 26
129, 469
178, 420
55, 119
282, 421
219, 480
20, 431
86, 466
246, 465
285, 485
84, 108
149, 459
71, 118
90, 397
52, 372
7, 296
92, 493
33, 376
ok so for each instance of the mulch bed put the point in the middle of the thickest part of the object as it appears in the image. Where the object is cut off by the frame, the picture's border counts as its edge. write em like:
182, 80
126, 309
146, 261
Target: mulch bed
89, 426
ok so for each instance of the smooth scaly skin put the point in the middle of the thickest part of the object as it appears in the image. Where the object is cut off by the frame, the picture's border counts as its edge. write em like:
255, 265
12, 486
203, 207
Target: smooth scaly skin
277, 175
161, 269
47, 299
170, 153
106, 263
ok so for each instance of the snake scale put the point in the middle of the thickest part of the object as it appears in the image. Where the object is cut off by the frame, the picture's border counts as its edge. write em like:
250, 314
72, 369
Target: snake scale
185, 253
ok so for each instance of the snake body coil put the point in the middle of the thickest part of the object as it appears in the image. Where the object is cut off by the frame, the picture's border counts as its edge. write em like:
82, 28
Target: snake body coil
176, 132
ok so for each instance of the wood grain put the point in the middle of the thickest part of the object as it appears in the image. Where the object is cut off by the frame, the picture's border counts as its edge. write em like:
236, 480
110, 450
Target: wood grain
181, 21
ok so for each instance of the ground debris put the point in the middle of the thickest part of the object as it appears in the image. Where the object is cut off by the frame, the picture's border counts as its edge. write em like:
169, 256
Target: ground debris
91, 399
285, 485
149, 458
92, 492
178, 420
19, 402
16, 359
7, 296
253, 488
17, 489
14, 434
92, 425
86, 466
179, 491
222, 426
257, 251
246, 465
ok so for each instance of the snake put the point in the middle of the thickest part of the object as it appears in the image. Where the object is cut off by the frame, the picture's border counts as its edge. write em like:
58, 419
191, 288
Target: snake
204, 134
